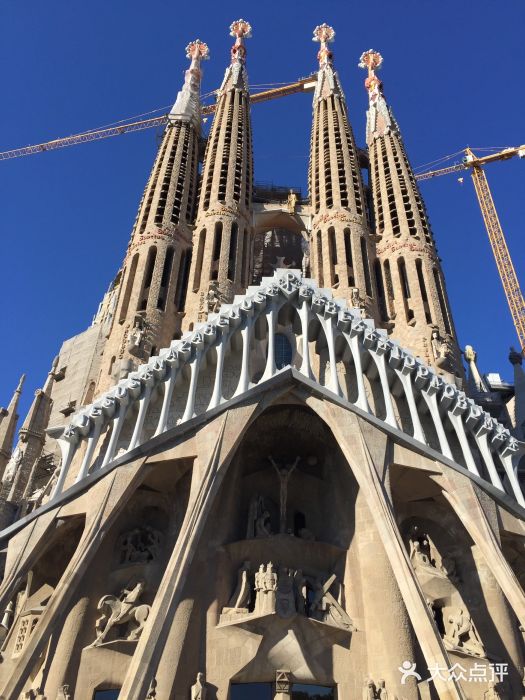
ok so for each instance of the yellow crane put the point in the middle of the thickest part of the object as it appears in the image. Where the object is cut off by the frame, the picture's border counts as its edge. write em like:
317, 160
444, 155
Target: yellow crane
497, 240
301, 85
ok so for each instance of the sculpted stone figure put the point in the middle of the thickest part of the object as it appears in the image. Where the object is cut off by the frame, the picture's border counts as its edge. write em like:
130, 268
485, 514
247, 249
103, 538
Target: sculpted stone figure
12, 466
270, 588
213, 298
136, 336
199, 690
382, 693
258, 519
285, 598
440, 349
369, 689
259, 588
242, 594
462, 633
140, 545
125, 608
284, 474
292, 202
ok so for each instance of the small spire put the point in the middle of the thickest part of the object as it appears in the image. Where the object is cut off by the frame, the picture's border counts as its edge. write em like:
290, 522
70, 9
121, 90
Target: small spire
379, 117
324, 34
187, 105
18, 389
241, 30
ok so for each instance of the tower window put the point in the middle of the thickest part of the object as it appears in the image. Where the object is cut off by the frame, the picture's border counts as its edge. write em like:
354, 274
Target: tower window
129, 287
442, 304
232, 254
380, 291
423, 290
198, 262
366, 267
283, 351
182, 282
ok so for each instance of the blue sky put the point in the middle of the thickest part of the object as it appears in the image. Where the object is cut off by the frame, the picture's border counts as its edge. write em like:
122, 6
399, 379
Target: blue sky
452, 72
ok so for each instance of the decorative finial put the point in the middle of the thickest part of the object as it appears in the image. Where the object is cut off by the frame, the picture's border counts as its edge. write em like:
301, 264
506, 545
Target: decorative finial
372, 60
20, 384
324, 34
197, 50
240, 29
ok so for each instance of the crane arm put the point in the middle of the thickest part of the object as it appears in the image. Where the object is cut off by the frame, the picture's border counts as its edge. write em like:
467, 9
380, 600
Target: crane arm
302, 85
470, 161
504, 264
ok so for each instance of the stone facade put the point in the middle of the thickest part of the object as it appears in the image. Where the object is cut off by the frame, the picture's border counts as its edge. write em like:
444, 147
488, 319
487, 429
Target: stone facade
293, 498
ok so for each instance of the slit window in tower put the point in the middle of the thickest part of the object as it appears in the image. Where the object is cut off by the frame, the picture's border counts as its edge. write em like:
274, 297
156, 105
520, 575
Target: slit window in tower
320, 258
217, 243
366, 267
198, 262
332, 252
348, 256
283, 351
245, 248
380, 291
129, 287
441, 298
111, 363
165, 279
232, 254
405, 288
148, 276
423, 290
182, 282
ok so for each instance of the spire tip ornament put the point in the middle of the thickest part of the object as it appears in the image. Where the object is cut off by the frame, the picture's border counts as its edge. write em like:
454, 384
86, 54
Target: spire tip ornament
324, 34
241, 29
198, 49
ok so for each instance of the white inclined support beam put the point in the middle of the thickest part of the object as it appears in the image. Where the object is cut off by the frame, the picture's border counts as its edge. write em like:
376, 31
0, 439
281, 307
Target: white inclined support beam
131, 399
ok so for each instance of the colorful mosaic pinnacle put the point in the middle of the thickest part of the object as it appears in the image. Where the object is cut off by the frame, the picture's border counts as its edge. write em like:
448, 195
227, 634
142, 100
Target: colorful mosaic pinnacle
371, 60
325, 35
197, 50
241, 29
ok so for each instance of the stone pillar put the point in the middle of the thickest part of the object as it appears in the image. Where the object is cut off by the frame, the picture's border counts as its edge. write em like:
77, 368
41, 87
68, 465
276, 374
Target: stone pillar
389, 635
283, 685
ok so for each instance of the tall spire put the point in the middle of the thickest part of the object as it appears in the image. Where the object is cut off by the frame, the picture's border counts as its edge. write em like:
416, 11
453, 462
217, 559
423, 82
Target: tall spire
153, 282
412, 298
341, 247
187, 105
222, 241
8, 421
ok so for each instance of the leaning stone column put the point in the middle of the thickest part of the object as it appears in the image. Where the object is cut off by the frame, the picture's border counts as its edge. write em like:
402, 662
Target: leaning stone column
66, 648
389, 636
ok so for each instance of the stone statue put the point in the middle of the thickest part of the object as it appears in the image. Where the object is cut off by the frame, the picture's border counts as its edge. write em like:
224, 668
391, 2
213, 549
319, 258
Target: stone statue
285, 596
63, 693
284, 474
199, 690
242, 594
420, 549
123, 609
462, 633
259, 589
258, 517
270, 588
305, 249
12, 466
136, 336
213, 298
381, 692
301, 592
355, 298
440, 349
152, 691
369, 689
325, 608
140, 545
292, 202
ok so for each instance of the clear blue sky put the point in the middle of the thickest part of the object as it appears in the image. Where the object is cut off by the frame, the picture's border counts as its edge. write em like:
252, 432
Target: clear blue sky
452, 72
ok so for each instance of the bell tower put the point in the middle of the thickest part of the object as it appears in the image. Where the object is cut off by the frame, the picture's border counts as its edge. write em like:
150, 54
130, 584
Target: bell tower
154, 275
412, 297
341, 249
222, 240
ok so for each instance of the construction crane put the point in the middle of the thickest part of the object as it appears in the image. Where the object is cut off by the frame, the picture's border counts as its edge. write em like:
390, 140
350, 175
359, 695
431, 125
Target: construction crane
301, 85
497, 240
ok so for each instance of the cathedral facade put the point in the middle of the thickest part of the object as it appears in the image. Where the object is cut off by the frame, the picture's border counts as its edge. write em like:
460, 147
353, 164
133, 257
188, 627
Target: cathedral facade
263, 472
